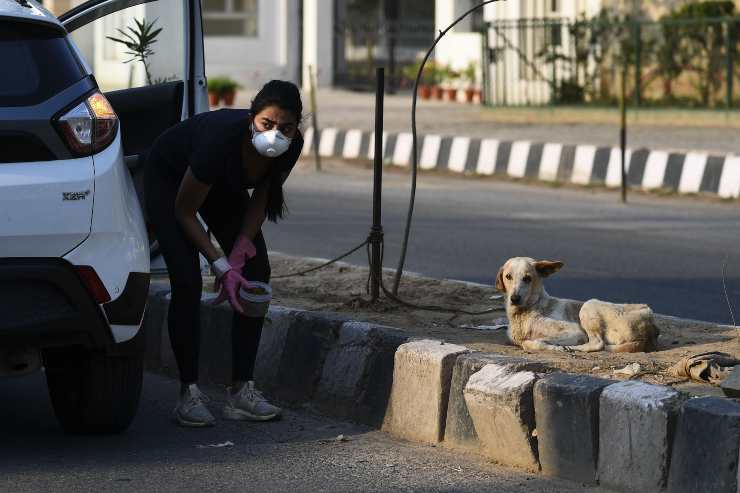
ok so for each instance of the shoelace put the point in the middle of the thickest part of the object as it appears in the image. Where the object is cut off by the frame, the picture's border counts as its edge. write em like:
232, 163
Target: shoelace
196, 398
252, 394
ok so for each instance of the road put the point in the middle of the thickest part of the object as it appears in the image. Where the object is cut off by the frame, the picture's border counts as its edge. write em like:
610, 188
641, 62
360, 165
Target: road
299, 453
666, 252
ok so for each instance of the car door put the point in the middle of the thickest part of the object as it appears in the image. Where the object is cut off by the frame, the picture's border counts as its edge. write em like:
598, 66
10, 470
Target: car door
150, 89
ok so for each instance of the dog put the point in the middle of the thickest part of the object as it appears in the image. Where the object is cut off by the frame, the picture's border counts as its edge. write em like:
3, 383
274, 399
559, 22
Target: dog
538, 321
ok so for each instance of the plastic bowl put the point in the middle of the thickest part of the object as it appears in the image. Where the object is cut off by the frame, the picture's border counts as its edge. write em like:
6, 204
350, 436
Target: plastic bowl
256, 301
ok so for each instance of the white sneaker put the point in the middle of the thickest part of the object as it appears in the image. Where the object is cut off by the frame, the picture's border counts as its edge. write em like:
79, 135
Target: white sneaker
249, 405
191, 409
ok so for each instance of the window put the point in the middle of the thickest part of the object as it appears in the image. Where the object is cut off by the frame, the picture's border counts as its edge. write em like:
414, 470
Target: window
230, 18
112, 62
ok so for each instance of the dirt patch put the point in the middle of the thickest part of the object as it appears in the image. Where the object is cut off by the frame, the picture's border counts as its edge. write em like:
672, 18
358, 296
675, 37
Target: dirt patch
341, 288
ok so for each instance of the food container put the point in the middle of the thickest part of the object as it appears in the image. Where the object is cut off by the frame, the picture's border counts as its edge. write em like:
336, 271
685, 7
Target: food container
256, 300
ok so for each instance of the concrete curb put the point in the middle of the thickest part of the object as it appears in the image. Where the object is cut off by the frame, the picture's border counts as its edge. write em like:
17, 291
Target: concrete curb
586, 165
627, 435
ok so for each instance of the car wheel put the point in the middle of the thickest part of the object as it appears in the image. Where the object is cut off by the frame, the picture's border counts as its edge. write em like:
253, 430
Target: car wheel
93, 392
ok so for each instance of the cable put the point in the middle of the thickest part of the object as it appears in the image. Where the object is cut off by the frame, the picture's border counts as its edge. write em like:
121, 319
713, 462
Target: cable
399, 270
326, 264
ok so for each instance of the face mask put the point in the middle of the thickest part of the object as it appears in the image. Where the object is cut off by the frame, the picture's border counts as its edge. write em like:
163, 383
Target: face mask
270, 143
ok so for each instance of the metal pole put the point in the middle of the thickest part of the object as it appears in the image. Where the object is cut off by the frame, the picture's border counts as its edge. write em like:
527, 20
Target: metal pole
623, 129
376, 233
314, 118
729, 47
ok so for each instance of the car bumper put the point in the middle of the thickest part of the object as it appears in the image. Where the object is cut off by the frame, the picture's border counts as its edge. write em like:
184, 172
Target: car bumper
45, 304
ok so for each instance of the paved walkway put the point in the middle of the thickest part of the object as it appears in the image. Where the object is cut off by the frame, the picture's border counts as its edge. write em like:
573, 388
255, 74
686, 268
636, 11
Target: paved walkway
348, 110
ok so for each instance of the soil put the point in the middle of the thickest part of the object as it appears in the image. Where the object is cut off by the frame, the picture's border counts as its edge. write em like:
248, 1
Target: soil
341, 288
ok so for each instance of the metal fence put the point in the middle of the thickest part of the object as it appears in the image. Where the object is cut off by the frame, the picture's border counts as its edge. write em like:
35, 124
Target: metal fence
672, 62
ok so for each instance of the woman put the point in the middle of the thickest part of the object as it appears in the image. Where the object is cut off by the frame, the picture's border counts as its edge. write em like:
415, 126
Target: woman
206, 165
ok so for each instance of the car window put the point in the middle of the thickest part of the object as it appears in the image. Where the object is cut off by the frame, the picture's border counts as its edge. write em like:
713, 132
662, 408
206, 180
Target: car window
112, 45
38, 63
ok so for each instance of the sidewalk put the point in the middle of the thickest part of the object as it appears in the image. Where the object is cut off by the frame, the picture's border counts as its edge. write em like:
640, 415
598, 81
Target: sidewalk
668, 130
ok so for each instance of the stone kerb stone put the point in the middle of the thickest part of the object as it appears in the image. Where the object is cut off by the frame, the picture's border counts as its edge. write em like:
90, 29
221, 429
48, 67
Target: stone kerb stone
292, 352
417, 406
636, 429
705, 453
460, 431
566, 409
358, 373
501, 404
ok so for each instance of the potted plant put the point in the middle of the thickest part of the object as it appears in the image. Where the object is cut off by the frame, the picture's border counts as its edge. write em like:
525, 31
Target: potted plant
425, 83
471, 76
435, 76
449, 77
215, 85
228, 90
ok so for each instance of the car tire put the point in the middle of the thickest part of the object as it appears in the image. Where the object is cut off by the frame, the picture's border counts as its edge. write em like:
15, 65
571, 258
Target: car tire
94, 393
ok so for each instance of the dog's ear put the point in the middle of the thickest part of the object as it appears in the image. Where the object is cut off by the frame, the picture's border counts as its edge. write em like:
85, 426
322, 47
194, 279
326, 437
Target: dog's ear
546, 267
500, 280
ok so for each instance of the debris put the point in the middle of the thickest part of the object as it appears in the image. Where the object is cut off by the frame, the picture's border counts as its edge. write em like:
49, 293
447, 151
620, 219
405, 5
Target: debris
711, 367
338, 438
496, 297
217, 445
498, 324
630, 370
596, 368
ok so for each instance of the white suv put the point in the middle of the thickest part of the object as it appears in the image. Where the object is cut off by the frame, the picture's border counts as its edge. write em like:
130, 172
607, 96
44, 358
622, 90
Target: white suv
74, 250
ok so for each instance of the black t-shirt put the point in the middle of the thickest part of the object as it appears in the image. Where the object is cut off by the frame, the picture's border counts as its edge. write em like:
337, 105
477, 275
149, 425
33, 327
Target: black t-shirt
210, 144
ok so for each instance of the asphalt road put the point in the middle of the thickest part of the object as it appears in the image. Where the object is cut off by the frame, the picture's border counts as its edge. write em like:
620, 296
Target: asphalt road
299, 453
666, 252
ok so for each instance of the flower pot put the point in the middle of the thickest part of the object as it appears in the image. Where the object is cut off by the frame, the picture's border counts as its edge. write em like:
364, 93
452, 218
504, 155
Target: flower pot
451, 94
425, 92
437, 93
229, 98
213, 98
469, 95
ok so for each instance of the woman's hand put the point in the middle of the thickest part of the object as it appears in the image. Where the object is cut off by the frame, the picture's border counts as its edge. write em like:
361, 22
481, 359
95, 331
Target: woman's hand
230, 281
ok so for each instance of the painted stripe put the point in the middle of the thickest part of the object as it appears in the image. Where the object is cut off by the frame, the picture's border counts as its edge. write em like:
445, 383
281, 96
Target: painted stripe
567, 158
518, 160
326, 144
550, 162
693, 170
308, 141
583, 164
443, 158
503, 155
471, 162
673, 171
614, 171
389, 146
601, 164
712, 174
729, 184
339, 143
637, 167
459, 154
429, 152
402, 153
655, 170
371, 144
352, 143
487, 157
534, 159
365, 144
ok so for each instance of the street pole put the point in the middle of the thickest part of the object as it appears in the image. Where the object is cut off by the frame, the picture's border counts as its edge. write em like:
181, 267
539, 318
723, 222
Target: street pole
376, 233
314, 118
623, 129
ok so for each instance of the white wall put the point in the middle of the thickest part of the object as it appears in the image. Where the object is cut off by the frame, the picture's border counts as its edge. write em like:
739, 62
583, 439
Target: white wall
458, 48
272, 54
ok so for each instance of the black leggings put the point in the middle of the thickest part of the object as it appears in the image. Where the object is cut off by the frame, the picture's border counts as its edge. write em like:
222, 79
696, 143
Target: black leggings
222, 212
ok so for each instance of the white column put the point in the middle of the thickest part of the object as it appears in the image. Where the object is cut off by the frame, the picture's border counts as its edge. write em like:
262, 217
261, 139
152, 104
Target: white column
318, 39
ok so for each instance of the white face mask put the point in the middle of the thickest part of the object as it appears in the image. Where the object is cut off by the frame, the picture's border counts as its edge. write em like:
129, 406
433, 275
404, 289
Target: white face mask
270, 143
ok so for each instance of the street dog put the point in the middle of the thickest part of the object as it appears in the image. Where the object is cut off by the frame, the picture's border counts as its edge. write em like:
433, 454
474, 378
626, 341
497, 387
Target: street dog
538, 321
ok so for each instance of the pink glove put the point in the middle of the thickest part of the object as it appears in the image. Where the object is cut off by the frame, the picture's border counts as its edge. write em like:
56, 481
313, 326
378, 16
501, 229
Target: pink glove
230, 282
243, 250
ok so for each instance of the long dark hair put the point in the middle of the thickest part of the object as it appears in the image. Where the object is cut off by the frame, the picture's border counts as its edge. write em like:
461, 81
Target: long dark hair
284, 95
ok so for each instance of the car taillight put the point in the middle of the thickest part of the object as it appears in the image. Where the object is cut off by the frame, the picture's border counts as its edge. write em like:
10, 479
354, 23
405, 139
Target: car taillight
94, 285
90, 126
